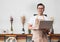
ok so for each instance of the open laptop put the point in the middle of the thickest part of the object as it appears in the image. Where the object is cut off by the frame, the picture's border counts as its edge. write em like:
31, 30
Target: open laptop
45, 24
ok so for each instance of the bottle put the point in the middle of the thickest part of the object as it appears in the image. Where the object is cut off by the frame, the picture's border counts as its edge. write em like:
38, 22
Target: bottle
23, 31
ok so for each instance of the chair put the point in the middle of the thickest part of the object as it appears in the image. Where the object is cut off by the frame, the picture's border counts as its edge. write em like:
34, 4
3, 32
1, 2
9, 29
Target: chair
11, 39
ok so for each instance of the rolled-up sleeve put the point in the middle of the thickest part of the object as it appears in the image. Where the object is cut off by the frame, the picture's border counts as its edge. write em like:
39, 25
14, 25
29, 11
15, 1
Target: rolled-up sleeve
30, 21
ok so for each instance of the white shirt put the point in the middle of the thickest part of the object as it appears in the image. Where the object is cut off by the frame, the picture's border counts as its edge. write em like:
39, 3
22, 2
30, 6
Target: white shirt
32, 20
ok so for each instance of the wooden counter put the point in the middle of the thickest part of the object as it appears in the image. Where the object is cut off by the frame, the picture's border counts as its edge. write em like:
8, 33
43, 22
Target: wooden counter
54, 36
2, 35
19, 37
15, 35
24, 37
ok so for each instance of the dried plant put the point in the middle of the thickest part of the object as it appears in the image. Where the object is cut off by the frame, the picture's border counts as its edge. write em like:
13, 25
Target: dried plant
52, 18
23, 20
11, 20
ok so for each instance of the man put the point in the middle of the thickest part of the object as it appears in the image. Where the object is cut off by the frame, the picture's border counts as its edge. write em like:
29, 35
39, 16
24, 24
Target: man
39, 35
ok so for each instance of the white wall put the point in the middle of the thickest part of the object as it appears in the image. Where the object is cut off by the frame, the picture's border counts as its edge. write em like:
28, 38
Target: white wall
18, 8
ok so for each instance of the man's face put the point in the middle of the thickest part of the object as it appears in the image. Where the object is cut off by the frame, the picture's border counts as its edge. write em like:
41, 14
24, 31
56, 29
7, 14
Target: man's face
40, 9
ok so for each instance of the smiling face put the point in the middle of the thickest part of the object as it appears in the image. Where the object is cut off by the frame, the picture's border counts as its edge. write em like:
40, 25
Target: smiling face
40, 9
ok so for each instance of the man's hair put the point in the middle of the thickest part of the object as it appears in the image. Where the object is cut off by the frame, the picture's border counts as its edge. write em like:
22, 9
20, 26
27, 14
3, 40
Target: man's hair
41, 5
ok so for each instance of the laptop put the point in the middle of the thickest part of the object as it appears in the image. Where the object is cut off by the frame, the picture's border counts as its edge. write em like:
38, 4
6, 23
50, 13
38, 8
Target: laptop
45, 24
